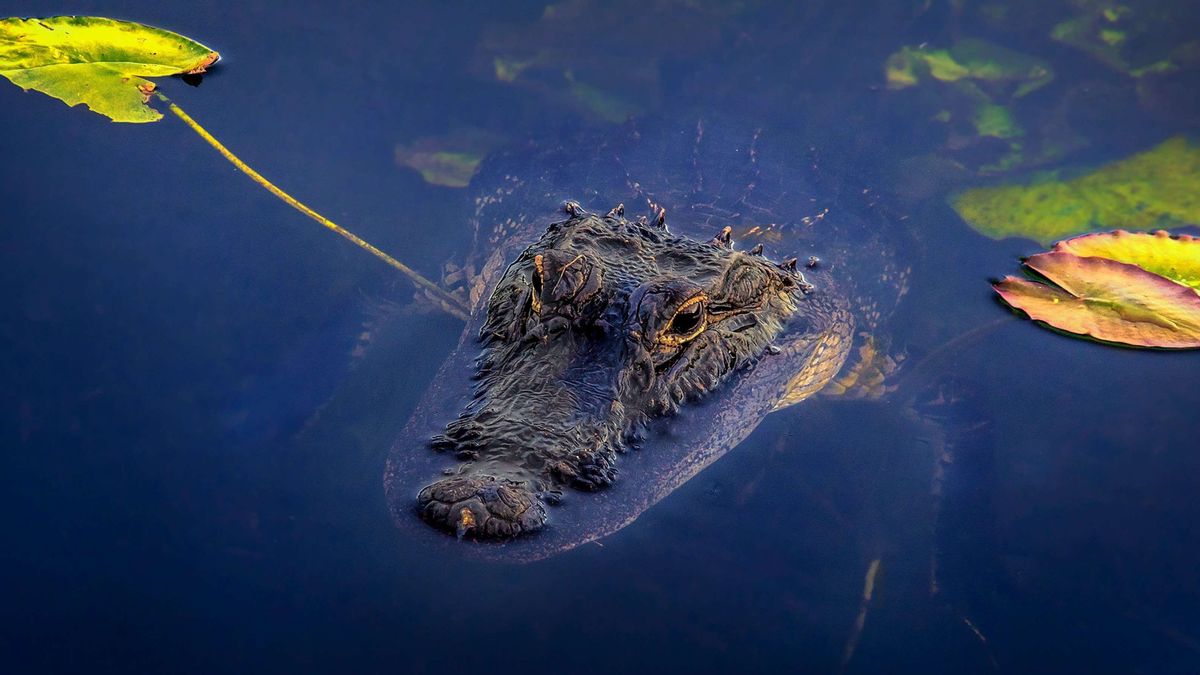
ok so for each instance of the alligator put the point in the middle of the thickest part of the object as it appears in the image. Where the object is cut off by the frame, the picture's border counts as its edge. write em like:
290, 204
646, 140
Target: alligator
619, 356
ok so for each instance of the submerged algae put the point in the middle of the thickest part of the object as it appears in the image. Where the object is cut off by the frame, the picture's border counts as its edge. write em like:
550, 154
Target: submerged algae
1156, 188
1136, 39
969, 59
976, 85
450, 160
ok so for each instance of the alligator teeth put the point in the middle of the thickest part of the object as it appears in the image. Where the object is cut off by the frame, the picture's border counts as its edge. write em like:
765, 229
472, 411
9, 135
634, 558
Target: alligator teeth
616, 211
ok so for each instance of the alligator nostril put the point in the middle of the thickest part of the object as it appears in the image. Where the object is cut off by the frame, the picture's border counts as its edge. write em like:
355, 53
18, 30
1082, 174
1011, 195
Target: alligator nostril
466, 522
484, 507
643, 369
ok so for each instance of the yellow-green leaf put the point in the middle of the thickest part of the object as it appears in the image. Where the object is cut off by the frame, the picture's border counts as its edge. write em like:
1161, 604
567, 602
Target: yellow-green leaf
1157, 188
96, 61
1174, 257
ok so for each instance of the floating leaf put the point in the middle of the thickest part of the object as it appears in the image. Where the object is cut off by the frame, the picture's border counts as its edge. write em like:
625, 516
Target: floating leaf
102, 62
1157, 188
99, 62
1176, 258
1111, 300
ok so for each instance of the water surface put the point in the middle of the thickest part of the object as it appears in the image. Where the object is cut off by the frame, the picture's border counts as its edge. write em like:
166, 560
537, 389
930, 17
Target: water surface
193, 458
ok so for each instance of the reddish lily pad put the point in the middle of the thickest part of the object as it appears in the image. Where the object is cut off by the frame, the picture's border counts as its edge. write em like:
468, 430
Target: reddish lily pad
1108, 300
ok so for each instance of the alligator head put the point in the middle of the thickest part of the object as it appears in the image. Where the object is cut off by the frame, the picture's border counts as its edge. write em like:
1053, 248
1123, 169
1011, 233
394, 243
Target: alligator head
599, 327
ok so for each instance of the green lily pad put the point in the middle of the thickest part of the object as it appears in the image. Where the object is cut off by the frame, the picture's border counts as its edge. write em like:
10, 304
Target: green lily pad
1157, 188
96, 61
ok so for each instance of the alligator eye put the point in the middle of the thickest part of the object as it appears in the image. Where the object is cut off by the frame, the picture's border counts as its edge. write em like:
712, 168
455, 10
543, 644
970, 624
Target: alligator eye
689, 321
536, 283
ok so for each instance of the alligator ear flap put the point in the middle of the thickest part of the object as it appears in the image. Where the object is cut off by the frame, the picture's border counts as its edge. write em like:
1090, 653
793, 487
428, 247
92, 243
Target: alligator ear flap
616, 211
573, 209
788, 265
757, 250
724, 238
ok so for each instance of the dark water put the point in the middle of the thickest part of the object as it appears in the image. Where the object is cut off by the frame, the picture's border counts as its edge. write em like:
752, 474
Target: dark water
168, 332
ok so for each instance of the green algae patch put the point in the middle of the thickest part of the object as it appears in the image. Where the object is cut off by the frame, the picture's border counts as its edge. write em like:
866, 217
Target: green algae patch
1157, 188
969, 59
449, 169
509, 69
1136, 39
606, 105
975, 86
996, 121
448, 161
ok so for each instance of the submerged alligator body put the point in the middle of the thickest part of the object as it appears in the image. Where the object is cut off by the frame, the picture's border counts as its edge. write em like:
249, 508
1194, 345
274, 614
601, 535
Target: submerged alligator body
609, 359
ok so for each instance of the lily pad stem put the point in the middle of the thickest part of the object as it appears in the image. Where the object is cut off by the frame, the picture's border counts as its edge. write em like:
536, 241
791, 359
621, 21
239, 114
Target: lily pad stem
445, 301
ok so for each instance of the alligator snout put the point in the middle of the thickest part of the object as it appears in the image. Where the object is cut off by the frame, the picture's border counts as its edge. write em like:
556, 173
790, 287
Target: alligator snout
481, 507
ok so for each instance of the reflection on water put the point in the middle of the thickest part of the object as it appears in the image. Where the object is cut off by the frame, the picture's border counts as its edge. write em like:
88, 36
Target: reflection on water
201, 386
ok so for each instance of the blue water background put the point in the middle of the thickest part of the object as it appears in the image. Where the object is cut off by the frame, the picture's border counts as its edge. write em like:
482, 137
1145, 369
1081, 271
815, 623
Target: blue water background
168, 332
